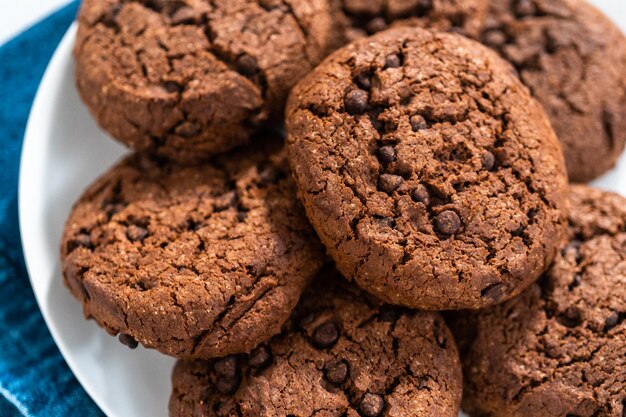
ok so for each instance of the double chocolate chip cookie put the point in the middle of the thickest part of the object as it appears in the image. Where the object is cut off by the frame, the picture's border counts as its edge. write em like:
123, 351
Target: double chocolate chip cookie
195, 262
190, 79
359, 18
343, 353
432, 177
560, 348
573, 59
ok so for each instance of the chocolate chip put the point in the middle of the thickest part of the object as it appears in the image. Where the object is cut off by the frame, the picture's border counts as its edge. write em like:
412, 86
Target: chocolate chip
494, 293
242, 216
424, 5
363, 79
247, 65
421, 195
270, 5
227, 366
494, 38
389, 183
611, 321
337, 372
81, 240
571, 317
356, 101
172, 87
489, 161
261, 357
128, 340
525, 8
418, 122
185, 15
156, 5
228, 385
392, 61
386, 154
136, 233
376, 25
448, 222
371, 405
325, 336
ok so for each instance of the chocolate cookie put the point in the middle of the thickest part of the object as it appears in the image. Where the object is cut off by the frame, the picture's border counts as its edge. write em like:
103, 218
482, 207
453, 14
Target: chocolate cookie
359, 18
573, 59
560, 348
342, 354
195, 262
430, 174
189, 79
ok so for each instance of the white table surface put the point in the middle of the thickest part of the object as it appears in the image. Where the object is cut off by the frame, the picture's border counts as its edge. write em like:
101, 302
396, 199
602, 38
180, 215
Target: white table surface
18, 15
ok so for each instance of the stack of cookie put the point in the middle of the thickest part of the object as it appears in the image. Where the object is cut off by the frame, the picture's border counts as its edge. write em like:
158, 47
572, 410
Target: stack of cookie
297, 268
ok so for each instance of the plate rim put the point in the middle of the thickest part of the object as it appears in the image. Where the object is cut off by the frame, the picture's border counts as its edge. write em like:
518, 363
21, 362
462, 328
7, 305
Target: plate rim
25, 179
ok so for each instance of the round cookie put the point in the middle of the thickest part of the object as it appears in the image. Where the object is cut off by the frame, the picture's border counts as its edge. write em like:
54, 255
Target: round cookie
342, 354
573, 59
560, 348
430, 174
189, 79
194, 262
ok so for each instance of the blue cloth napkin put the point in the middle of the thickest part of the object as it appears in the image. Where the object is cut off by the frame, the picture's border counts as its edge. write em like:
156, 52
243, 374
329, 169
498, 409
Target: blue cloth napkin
34, 379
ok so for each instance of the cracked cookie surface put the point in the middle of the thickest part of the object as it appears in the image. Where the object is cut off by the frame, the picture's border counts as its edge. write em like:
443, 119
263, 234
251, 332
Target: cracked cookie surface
573, 59
195, 262
430, 174
359, 18
189, 79
560, 348
343, 353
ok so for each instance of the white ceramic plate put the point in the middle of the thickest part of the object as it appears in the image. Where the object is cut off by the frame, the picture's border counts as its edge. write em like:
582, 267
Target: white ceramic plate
63, 152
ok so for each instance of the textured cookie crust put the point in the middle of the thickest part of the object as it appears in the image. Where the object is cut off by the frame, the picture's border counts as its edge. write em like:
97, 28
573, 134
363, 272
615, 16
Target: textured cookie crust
573, 59
195, 262
360, 18
342, 354
560, 348
430, 174
189, 79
